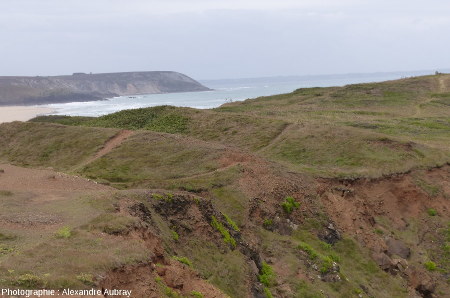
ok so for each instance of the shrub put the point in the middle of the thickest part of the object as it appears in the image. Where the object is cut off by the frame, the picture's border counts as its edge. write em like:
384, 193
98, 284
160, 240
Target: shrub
327, 264
267, 292
5, 193
334, 257
266, 276
379, 231
309, 250
196, 294
7, 237
175, 235
267, 223
183, 260
231, 223
64, 232
430, 265
432, 212
325, 245
290, 204
86, 278
29, 281
225, 234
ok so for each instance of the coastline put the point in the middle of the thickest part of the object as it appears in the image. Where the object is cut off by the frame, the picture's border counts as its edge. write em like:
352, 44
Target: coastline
21, 113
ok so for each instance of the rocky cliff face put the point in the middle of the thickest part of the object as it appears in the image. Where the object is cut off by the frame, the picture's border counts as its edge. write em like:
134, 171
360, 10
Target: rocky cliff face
87, 87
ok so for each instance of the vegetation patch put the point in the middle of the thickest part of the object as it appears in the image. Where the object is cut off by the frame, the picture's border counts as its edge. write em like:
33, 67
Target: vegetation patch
431, 212
5, 193
430, 265
289, 205
231, 222
86, 278
227, 238
64, 233
266, 275
111, 223
7, 236
183, 260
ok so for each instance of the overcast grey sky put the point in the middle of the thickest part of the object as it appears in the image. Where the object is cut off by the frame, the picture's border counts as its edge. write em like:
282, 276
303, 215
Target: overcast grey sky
209, 39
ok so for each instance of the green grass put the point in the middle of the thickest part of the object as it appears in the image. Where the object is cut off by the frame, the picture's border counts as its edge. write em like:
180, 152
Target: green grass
64, 232
430, 265
148, 157
289, 205
211, 263
50, 145
227, 238
231, 222
183, 260
5, 193
175, 236
266, 276
7, 236
432, 212
196, 294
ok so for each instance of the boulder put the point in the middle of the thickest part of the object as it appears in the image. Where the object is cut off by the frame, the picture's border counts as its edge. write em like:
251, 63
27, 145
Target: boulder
398, 248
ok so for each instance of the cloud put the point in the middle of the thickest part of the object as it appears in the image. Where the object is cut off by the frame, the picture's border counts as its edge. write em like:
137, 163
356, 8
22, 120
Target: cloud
211, 38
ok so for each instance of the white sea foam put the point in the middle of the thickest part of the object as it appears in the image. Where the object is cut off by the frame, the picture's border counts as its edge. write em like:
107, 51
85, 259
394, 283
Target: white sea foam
223, 91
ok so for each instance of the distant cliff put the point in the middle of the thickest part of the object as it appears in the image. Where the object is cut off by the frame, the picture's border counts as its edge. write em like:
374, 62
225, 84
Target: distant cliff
89, 87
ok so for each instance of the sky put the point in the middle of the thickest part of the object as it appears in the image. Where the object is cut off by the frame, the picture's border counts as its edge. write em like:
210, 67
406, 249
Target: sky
212, 39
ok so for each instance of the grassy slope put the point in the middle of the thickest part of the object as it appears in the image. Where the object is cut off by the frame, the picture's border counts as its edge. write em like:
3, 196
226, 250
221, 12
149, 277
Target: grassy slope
50, 145
358, 130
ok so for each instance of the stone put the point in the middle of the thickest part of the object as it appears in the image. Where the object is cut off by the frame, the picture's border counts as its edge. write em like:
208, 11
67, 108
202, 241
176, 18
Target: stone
383, 260
330, 234
397, 247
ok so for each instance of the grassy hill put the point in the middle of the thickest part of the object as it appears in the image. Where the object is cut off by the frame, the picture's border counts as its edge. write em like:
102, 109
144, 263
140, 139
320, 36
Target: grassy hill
338, 192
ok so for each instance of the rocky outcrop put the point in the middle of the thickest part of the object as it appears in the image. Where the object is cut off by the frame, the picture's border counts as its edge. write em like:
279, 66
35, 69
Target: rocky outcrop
89, 87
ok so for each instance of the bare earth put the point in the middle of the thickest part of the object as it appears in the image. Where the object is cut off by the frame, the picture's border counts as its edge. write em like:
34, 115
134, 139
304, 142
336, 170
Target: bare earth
21, 113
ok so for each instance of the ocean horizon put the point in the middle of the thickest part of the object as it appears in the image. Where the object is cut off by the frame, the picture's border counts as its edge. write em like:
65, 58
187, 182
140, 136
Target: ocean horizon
224, 91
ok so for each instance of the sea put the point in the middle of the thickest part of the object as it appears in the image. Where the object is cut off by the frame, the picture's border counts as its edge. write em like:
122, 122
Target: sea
224, 91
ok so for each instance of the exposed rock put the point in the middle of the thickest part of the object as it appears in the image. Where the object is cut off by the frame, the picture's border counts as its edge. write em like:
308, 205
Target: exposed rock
426, 287
330, 234
332, 275
89, 87
398, 248
383, 261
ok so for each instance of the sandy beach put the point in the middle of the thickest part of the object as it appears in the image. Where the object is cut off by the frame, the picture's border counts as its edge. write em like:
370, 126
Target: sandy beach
21, 113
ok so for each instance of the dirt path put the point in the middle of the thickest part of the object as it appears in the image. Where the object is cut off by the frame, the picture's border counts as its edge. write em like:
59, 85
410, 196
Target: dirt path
14, 178
442, 87
112, 143
278, 137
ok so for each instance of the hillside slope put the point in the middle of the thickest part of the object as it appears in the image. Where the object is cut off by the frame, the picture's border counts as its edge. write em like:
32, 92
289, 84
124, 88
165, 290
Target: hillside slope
87, 87
323, 192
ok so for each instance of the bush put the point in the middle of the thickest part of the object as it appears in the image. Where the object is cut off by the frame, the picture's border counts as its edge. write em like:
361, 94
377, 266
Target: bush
86, 278
29, 281
327, 264
309, 250
5, 193
267, 223
196, 294
231, 223
267, 292
175, 235
64, 232
431, 212
183, 260
266, 276
290, 204
7, 237
430, 265
226, 235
